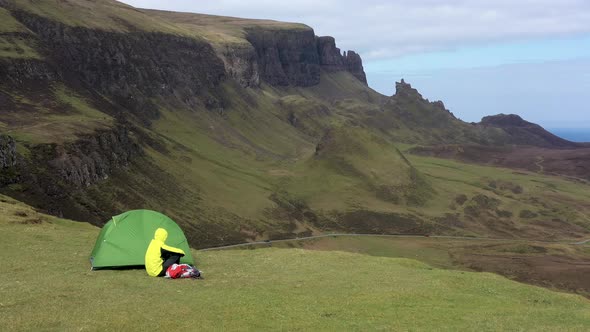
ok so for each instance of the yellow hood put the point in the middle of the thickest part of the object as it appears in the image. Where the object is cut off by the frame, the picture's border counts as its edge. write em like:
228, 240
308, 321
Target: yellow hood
161, 235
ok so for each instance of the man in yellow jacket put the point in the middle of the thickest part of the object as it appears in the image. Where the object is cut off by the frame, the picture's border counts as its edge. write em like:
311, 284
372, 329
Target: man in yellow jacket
159, 256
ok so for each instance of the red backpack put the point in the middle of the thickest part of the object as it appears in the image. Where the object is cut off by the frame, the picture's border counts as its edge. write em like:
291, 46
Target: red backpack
176, 271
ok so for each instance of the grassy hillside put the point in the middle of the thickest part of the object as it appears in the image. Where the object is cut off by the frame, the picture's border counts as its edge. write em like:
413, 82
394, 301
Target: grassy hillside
555, 265
219, 29
105, 15
48, 274
234, 163
253, 172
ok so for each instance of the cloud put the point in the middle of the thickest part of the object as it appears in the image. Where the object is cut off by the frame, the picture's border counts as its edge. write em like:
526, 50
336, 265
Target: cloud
384, 29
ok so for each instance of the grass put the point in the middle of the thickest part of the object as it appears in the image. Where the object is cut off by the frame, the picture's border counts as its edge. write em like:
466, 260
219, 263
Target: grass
267, 289
9, 23
17, 47
15, 39
61, 116
118, 17
456, 178
104, 15
220, 29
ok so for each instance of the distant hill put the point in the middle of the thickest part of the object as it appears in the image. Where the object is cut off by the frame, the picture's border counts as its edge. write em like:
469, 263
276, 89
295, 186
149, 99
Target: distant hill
525, 133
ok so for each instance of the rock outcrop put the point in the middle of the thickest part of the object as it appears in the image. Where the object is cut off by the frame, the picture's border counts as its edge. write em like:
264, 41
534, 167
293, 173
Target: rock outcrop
8, 161
7, 152
354, 64
331, 59
405, 90
295, 57
286, 57
240, 61
94, 158
130, 68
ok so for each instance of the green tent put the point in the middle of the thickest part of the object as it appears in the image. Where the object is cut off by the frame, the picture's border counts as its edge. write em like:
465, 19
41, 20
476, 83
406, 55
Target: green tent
123, 241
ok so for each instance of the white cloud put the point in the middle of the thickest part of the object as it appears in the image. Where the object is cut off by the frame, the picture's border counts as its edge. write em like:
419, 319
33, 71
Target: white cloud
384, 29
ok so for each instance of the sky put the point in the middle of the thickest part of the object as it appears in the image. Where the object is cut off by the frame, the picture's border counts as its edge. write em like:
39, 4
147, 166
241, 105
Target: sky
480, 57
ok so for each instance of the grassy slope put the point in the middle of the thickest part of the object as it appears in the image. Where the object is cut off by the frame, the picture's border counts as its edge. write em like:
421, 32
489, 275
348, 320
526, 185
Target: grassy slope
105, 15
219, 29
12, 43
558, 266
48, 275
55, 115
550, 197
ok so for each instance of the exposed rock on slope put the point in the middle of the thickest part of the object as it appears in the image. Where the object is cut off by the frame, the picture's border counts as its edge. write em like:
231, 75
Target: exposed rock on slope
354, 65
286, 57
131, 68
7, 151
95, 157
277, 53
331, 60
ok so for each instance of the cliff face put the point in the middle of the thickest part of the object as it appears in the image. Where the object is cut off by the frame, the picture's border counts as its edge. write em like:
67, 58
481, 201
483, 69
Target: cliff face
240, 61
286, 57
131, 68
295, 57
7, 152
8, 161
331, 60
94, 158
277, 53
354, 64
55, 177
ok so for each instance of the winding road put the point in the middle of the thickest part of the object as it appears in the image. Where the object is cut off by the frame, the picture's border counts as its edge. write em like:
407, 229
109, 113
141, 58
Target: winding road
270, 242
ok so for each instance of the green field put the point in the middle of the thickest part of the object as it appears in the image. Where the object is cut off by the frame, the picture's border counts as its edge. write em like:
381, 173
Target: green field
46, 274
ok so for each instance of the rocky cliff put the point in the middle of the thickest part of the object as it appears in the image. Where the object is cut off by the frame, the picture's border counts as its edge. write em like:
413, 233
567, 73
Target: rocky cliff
286, 57
332, 60
55, 177
7, 152
94, 157
131, 68
277, 53
293, 57
354, 64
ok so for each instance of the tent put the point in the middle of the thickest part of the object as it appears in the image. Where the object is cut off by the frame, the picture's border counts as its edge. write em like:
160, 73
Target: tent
123, 241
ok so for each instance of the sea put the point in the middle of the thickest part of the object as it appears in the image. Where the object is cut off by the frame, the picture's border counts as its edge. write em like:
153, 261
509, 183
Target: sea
572, 134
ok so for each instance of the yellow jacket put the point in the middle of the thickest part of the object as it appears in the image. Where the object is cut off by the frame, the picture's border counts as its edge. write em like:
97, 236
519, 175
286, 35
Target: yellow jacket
153, 255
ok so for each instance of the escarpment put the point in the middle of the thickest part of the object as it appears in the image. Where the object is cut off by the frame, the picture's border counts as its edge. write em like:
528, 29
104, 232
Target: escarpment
55, 177
7, 152
296, 57
332, 60
286, 57
276, 53
94, 157
130, 68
